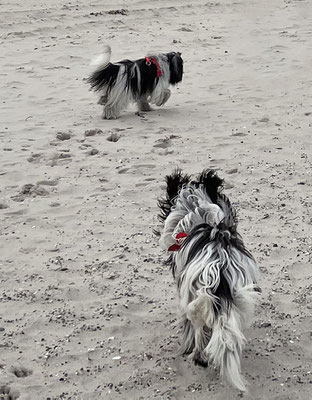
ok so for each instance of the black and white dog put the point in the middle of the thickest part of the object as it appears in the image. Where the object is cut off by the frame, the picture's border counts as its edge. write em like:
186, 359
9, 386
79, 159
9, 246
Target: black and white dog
215, 275
143, 81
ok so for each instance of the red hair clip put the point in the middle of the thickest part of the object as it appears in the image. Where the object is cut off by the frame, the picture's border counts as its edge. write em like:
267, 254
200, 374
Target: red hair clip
179, 241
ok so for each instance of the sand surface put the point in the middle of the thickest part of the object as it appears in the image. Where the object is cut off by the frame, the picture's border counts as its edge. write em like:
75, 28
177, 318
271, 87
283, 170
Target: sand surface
87, 308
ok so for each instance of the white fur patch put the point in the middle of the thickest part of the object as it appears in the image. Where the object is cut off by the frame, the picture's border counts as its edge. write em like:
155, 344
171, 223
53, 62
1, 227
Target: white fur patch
102, 60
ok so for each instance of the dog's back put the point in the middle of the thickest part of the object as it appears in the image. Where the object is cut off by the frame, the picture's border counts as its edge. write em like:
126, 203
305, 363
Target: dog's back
215, 274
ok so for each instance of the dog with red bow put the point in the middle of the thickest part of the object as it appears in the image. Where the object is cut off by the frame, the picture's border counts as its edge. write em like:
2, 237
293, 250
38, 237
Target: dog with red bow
216, 275
144, 81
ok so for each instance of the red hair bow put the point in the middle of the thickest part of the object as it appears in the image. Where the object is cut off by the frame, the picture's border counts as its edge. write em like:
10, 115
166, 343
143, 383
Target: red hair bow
177, 245
153, 60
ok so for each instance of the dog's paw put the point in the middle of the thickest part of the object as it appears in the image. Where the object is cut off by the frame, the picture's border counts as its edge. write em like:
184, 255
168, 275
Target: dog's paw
139, 114
109, 116
199, 359
143, 106
164, 99
110, 113
201, 363
102, 100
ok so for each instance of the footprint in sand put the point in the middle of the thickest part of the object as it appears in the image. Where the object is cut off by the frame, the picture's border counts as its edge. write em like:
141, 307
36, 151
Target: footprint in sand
146, 182
136, 168
92, 152
166, 142
113, 137
20, 372
63, 136
35, 158
7, 393
93, 132
232, 171
163, 143
63, 157
30, 190
121, 11
123, 170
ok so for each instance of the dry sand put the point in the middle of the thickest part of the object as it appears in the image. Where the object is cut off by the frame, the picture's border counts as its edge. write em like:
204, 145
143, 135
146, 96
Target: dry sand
88, 310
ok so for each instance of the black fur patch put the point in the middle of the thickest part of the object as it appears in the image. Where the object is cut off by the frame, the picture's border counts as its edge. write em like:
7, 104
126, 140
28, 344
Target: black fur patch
148, 79
175, 181
203, 234
212, 183
108, 75
176, 67
104, 78
172, 265
223, 292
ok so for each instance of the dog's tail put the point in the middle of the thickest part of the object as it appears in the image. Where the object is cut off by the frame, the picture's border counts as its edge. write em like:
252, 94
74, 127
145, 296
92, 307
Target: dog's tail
101, 61
225, 347
105, 74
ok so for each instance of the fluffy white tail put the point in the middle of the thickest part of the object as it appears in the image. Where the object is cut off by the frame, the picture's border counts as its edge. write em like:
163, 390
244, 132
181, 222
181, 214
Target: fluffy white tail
101, 61
227, 339
225, 347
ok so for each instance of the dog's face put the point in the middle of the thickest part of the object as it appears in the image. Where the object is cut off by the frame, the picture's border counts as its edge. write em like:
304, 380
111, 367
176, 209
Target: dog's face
176, 67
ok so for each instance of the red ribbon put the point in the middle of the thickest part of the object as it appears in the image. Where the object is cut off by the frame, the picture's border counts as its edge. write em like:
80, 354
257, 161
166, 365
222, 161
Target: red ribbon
176, 246
153, 60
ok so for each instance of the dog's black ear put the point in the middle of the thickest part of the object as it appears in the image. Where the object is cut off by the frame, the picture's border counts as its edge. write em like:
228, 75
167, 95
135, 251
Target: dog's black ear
179, 54
176, 67
175, 181
211, 182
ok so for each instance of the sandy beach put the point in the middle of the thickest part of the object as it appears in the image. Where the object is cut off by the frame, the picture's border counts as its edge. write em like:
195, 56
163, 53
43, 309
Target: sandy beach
88, 309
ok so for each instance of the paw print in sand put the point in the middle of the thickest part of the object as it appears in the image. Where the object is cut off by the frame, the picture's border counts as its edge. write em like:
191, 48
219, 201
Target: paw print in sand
20, 372
7, 393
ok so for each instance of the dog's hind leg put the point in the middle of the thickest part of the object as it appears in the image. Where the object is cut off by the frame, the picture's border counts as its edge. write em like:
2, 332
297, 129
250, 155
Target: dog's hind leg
143, 104
197, 313
188, 338
199, 356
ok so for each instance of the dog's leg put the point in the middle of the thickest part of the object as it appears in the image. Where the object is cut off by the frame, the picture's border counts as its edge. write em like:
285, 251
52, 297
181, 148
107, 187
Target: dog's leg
200, 313
143, 104
199, 356
164, 98
188, 339
196, 314
110, 113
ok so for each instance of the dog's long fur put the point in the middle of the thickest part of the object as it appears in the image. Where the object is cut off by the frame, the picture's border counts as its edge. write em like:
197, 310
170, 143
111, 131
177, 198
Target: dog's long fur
216, 276
137, 81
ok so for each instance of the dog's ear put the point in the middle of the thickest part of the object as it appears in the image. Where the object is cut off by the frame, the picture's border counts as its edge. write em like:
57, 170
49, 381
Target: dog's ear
179, 54
175, 181
176, 68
